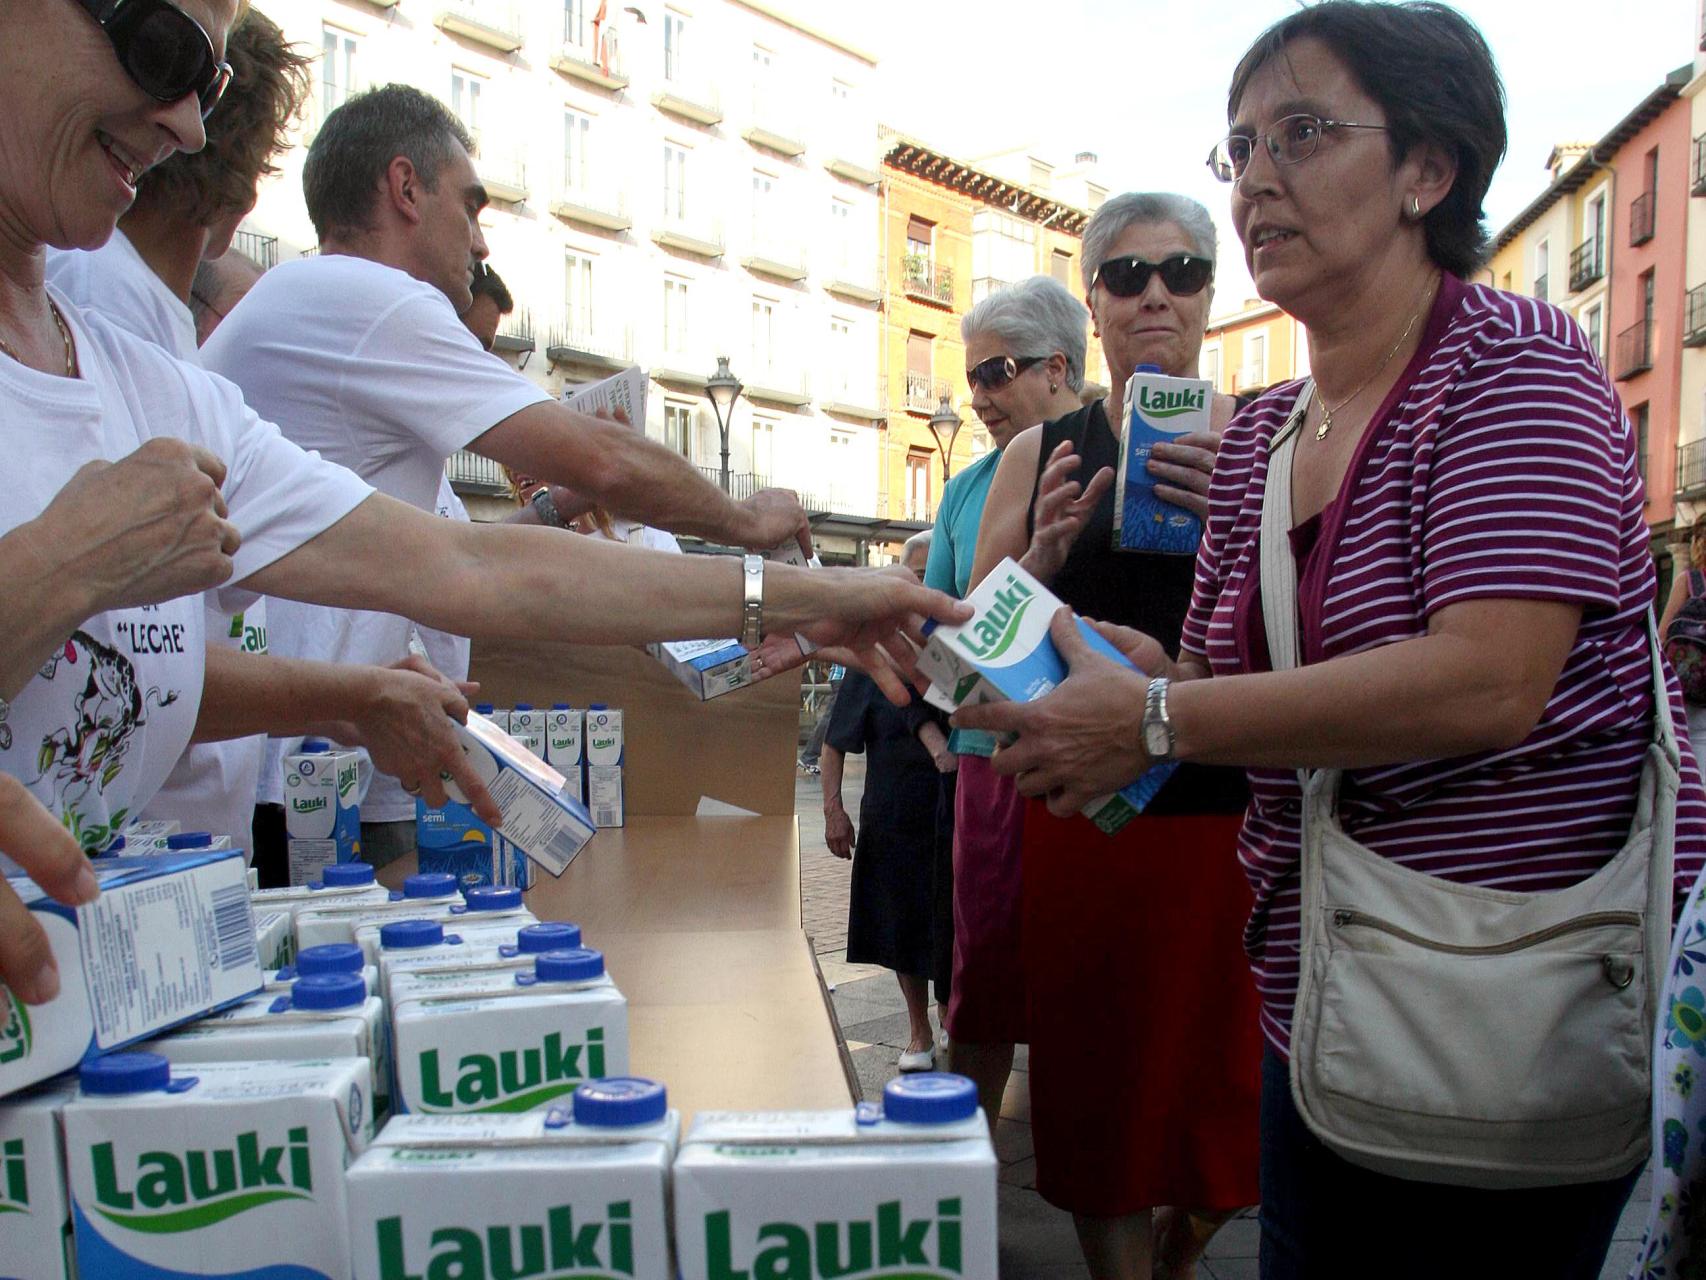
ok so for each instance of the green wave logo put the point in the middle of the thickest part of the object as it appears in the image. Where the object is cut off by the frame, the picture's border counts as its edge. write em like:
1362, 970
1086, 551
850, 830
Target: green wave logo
16, 1037
520, 1102
197, 1216
1005, 642
1169, 413
13, 1208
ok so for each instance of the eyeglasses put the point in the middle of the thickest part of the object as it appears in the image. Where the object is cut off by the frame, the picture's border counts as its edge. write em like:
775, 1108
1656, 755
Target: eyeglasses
163, 49
997, 371
1183, 274
1291, 140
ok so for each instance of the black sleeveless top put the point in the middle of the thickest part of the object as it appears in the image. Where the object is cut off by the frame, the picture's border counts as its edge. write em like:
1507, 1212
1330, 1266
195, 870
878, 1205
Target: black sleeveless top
1149, 593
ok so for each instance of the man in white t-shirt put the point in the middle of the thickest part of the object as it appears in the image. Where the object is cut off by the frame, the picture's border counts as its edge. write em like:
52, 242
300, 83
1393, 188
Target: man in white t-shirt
358, 353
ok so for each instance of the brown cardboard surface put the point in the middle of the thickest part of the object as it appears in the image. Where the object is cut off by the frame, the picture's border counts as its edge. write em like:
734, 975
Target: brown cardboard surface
738, 748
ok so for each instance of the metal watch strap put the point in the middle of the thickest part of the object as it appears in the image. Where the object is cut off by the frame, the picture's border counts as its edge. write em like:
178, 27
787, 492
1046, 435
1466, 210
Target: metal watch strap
1155, 717
752, 601
546, 509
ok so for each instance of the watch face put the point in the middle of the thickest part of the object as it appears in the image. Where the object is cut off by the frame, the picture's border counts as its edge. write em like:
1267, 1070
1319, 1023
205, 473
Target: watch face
1155, 740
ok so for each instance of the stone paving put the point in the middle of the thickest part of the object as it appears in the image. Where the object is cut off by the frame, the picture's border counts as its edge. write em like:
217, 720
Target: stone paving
1037, 1240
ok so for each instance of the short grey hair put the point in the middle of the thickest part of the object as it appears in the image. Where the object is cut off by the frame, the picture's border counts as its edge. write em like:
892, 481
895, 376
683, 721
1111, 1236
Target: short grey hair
358, 141
1142, 208
919, 541
1035, 317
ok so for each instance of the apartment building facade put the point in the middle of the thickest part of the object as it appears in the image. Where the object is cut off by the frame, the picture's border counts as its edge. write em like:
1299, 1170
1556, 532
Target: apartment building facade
1253, 347
669, 184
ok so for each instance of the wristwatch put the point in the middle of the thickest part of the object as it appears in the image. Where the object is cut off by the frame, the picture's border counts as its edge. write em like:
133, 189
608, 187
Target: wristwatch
546, 509
752, 602
1158, 739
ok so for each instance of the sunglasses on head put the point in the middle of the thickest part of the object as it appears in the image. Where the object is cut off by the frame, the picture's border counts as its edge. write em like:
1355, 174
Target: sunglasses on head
997, 371
163, 49
1183, 274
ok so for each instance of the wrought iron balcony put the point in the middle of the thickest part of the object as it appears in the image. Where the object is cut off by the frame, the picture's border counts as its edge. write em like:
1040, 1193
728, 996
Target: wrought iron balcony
1587, 263
692, 97
591, 206
856, 277
586, 345
924, 392
256, 247
1694, 327
688, 233
848, 395
926, 280
1691, 469
471, 473
777, 253
777, 382
1641, 218
493, 23
515, 333
742, 484
1634, 350
775, 122
598, 63
1541, 286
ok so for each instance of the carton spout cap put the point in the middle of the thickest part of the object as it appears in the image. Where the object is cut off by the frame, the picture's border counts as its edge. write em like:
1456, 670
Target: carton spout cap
429, 884
190, 840
330, 957
598, 706
314, 746
401, 935
1148, 368
571, 964
125, 1073
620, 1101
345, 875
493, 897
484, 708
328, 991
930, 1097
552, 935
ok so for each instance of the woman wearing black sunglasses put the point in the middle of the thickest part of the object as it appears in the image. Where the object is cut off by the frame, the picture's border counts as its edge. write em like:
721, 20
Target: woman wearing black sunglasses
1157, 1146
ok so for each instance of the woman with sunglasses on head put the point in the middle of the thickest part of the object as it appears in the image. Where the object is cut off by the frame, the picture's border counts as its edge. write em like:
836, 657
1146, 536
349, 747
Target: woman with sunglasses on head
1131, 942
1446, 627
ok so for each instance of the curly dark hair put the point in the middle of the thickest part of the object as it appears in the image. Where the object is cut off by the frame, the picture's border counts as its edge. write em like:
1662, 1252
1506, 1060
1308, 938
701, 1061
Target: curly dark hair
246, 132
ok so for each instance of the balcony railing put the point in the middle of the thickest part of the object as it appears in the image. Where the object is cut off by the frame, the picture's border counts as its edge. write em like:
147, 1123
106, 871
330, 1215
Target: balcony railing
690, 233
692, 97
598, 63
775, 122
866, 399
1541, 283
260, 249
471, 473
1694, 329
1641, 218
776, 382
589, 346
925, 279
1587, 263
855, 276
742, 484
515, 333
1691, 469
589, 206
776, 252
853, 155
1697, 170
493, 23
1634, 350
924, 392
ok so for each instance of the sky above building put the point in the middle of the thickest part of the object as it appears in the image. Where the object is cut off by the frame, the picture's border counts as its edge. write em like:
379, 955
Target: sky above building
1142, 82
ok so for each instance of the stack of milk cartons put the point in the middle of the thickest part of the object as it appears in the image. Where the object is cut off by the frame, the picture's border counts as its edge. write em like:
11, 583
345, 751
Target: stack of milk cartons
505, 1040
542, 816
343, 883
1004, 654
35, 1211
605, 753
581, 1190
488, 910
321, 816
171, 937
427, 896
425, 946
905, 1189
330, 957
214, 1168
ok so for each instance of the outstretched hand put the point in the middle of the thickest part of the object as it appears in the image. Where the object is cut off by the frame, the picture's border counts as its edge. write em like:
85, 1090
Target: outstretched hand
34, 839
1063, 506
871, 619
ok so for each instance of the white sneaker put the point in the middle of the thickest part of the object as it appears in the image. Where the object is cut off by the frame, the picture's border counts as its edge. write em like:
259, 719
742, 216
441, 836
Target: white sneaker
919, 1060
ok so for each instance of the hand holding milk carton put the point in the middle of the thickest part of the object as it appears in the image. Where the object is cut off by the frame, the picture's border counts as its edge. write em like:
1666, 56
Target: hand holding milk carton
1159, 409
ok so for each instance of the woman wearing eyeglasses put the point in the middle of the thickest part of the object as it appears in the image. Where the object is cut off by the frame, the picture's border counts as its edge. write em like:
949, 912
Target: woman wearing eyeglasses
1466, 673
1141, 1014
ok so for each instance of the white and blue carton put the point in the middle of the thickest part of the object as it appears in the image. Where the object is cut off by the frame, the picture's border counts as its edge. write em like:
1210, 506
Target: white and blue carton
709, 668
171, 937
1159, 409
541, 815
1004, 654
35, 1212
321, 814
606, 754
215, 1169
565, 739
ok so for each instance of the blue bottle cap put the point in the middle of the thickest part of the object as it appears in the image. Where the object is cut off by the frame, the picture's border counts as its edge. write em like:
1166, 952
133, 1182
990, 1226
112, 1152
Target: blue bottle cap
125, 1073
1148, 368
620, 1101
400, 935
429, 884
117, 845
344, 875
554, 935
561, 706
328, 990
190, 840
929, 1097
493, 897
314, 746
524, 706
572, 964
598, 706
330, 957
484, 708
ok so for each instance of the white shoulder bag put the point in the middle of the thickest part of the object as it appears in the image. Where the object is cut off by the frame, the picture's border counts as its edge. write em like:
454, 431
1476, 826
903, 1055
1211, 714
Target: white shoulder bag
1457, 1034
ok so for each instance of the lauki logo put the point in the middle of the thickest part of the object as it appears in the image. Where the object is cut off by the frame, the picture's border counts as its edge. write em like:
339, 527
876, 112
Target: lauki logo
991, 635
892, 1247
556, 1249
511, 1079
167, 1192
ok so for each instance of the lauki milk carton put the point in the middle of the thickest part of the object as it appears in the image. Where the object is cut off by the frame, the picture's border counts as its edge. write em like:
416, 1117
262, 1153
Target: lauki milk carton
487, 906
423, 946
320, 814
565, 734
527, 726
333, 957
1159, 409
149, 836
605, 753
451, 838
343, 885
336, 921
904, 1190
709, 668
565, 1192
275, 940
1004, 654
215, 1168
506, 1041
496, 715
35, 1212
541, 815
170, 938
323, 1015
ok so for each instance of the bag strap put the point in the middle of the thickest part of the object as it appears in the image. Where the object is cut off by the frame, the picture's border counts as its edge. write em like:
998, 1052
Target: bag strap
1696, 583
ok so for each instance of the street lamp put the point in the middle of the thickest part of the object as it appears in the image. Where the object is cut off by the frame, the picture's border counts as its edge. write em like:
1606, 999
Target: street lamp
945, 420
723, 389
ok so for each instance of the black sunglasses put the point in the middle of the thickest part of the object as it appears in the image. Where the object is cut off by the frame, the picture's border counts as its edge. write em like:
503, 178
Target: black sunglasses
997, 371
163, 49
1183, 274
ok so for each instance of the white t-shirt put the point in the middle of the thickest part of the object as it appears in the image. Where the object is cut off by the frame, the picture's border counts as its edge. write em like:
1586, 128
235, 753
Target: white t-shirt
370, 367
212, 787
640, 535
99, 727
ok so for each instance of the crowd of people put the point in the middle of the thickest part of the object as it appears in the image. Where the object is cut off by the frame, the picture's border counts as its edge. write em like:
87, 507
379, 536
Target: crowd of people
1434, 776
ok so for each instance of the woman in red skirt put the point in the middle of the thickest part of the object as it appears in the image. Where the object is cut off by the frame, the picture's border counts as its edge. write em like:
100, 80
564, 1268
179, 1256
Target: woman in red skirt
1145, 1058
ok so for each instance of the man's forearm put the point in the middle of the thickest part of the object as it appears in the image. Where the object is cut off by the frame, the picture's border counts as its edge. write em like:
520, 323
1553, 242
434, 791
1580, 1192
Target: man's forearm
650, 484
249, 693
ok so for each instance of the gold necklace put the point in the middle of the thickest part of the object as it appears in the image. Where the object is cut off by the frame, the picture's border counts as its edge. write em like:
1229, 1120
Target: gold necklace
1327, 411
64, 336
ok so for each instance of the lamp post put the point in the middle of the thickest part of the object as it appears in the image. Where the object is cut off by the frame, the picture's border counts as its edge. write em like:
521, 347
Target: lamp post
945, 420
723, 389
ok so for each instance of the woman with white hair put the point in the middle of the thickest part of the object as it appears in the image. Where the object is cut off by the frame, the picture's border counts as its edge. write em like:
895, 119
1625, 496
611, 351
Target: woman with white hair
1025, 364
1132, 940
